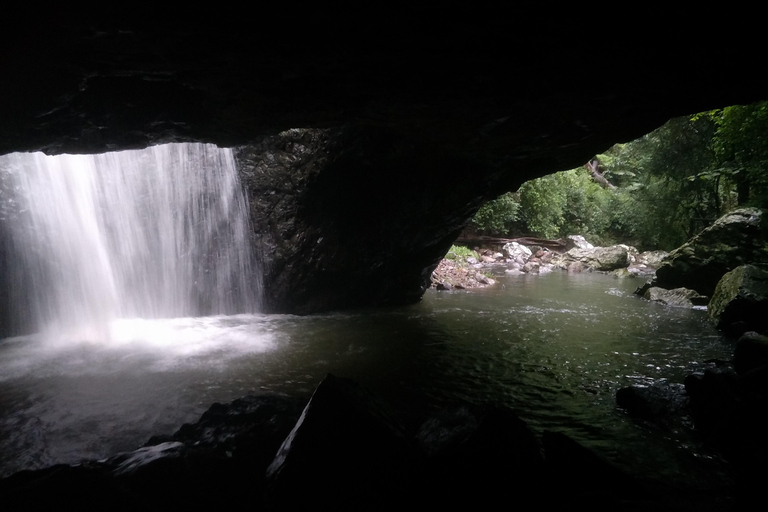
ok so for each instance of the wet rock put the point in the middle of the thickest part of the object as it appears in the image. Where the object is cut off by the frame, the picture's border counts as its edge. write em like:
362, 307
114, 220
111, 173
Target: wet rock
736, 239
596, 258
729, 414
347, 451
485, 448
678, 297
451, 274
622, 273
584, 479
661, 403
517, 251
652, 259
740, 301
577, 241
750, 352
531, 267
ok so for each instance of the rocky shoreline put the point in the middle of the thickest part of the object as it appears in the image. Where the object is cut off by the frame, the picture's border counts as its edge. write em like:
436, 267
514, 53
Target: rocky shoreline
515, 258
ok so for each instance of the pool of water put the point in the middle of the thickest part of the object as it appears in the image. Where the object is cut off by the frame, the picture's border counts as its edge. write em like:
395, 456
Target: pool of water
553, 347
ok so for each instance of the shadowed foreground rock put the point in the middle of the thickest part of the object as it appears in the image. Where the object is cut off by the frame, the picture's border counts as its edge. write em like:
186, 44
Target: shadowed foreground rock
347, 450
740, 301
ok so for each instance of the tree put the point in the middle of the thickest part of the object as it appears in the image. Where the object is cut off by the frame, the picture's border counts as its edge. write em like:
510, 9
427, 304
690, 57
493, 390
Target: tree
655, 192
740, 146
498, 216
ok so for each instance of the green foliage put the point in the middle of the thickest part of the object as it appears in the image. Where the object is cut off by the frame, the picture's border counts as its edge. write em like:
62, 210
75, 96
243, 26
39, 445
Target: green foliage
668, 185
459, 253
740, 146
565, 203
497, 216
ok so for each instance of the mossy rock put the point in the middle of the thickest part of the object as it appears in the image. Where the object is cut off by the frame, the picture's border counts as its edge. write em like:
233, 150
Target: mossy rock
740, 301
738, 238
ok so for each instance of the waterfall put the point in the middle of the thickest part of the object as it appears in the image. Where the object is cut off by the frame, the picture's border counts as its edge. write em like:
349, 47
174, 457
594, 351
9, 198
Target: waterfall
155, 233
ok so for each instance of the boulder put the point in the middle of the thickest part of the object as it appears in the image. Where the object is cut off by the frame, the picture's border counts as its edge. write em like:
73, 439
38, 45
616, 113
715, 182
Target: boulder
532, 267
597, 258
346, 448
517, 251
739, 237
661, 403
740, 301
585, 480
678, 297
484, 447
578, 242
728, 412
652, 259
751, 352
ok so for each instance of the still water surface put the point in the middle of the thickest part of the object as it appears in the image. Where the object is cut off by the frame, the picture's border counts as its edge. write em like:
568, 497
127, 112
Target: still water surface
554, 347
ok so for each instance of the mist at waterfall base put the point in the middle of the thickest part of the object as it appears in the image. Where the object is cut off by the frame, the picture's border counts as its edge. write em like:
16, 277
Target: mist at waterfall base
555, 348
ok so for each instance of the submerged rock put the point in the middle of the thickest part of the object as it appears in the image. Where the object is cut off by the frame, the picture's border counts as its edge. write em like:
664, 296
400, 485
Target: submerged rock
662, 403
678, 297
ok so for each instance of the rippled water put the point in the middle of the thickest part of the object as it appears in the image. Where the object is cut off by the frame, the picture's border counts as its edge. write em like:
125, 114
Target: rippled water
554, 347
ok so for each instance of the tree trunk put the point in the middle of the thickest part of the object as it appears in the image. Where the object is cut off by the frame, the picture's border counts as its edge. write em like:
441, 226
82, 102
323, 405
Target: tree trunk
593, 168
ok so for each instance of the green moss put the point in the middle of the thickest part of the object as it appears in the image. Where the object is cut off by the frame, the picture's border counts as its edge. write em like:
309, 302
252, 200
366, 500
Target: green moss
459, 254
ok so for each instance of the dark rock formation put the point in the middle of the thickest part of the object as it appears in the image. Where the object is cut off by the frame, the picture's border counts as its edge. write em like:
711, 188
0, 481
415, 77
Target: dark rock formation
740, 301
677, 297
735, 239
750, 352
661, 403
347, 450
347, 217
729, 415
408, 119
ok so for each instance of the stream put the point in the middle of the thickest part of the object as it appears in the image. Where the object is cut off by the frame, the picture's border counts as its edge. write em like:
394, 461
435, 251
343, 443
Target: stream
554, 347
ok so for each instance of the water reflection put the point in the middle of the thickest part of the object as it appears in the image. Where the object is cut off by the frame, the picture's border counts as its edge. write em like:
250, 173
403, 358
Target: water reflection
554, 347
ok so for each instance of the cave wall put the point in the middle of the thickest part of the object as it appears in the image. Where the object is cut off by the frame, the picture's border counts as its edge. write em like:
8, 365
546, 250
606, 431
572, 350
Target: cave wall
366, 137
351, 217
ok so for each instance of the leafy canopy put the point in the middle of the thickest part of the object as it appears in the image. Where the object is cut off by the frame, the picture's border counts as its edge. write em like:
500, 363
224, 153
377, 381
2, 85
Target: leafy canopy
663, 187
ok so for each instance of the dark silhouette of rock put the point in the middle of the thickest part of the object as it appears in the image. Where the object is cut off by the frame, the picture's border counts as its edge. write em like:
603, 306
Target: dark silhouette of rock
677, 297
347, 450
485, 448
740, 301
735, 239
662, 404
750, 352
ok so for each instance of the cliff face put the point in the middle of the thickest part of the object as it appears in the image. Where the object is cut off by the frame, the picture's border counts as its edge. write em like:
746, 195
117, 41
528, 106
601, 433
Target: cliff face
366, 138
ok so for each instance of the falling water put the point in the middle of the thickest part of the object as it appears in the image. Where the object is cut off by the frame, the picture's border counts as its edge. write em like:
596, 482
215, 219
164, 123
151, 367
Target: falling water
156, 233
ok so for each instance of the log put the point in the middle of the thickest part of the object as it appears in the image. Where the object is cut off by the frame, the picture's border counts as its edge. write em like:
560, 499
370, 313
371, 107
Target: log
559, 244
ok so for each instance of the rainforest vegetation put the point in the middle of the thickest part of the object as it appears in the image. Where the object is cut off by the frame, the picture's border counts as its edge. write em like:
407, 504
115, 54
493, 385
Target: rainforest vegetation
654, 192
